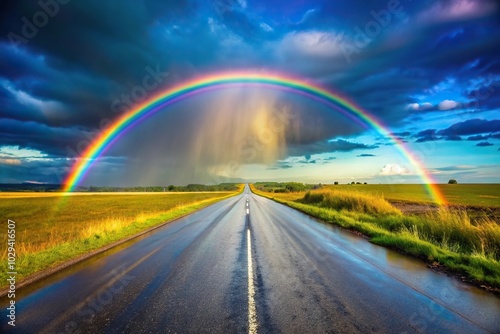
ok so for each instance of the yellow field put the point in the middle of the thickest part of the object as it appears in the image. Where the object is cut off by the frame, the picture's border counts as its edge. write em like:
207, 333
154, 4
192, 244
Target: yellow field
480, 195
471, 195
51, 228
63, 194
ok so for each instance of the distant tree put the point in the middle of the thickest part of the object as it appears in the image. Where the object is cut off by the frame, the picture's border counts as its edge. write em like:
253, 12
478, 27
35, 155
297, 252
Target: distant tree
294, 187
452, 181
336, 183
353, 182
358, 182
365, 183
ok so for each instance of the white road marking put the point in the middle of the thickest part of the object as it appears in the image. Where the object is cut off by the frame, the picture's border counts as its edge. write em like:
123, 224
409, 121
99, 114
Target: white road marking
252, 316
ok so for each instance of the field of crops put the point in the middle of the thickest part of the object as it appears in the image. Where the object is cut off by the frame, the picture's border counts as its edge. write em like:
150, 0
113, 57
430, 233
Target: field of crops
472, 195
52, 228
481, 195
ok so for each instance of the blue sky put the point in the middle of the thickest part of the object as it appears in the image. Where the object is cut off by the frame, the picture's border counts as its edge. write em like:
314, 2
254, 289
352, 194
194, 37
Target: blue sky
429, 70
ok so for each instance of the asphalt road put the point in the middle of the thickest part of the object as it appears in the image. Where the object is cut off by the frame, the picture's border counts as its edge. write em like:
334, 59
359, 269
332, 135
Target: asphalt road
271, 270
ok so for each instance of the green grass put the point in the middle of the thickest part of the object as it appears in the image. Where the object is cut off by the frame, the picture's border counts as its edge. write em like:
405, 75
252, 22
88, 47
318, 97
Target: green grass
51, 229
480, 195
350, 200
446, 236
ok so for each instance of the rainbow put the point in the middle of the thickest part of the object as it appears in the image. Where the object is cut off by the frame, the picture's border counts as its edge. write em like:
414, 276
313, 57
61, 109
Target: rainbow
234, 79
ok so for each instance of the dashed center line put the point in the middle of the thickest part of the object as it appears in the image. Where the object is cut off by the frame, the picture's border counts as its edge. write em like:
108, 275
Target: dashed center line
252, 315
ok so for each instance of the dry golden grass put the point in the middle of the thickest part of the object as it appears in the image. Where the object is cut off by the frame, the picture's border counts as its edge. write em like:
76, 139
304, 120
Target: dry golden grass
350, 200
479, 195
53, 229
71, 194
44, 221
453, 229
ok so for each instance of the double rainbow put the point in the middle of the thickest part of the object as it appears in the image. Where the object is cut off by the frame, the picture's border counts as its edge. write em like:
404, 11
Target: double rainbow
234, 79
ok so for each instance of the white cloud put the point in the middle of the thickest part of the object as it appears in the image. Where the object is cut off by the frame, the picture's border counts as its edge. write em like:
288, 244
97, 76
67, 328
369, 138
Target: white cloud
47, 108
456, 10
307, 15
212, 24
414, 106
422, 106
443, 86
394, 169
14, 155
266, 27
312, 43
447, 105
426, 105
243, 3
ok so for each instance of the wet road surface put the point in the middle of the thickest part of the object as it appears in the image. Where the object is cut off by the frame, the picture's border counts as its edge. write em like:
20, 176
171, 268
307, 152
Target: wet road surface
248, 264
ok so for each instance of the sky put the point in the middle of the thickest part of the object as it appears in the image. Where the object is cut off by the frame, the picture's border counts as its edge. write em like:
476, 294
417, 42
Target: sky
428, 70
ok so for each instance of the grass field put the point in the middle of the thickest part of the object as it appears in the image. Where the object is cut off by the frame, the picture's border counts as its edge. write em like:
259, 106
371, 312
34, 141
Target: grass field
51, 229
480, 195
445, 237
471, 195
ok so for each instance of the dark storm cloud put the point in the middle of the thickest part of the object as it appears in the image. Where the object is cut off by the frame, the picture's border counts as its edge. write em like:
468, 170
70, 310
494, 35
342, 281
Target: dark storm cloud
339, 145
471, 127
427, 135
48, 171
49, 140
365, 155
477, 138
280, 165
453, 138
306, 161
484, 137
484, 144
384, 91
486, 94
57, 87
477, 129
